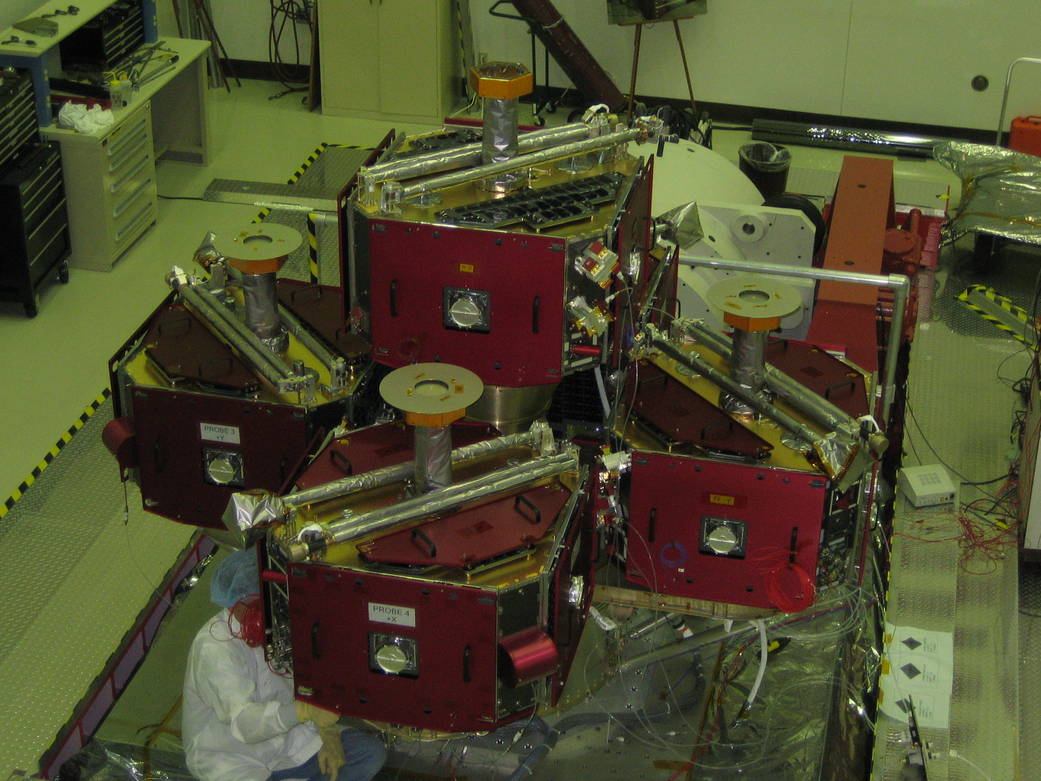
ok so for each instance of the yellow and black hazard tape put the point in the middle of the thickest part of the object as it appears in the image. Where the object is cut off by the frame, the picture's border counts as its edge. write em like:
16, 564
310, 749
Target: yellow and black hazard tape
312, 247
299, 172
52, 454
1001, 313
102, 397
312, 218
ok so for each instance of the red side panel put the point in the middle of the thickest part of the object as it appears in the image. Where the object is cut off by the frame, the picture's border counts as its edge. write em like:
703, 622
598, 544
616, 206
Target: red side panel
522, 276
177, 432
777, 512
334, 613
567, 618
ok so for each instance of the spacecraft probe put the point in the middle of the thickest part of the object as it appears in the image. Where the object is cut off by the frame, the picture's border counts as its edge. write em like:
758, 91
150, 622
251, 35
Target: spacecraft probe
429, 543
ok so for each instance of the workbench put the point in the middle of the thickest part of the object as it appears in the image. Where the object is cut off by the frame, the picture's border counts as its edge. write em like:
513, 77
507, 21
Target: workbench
42, 55
110, 173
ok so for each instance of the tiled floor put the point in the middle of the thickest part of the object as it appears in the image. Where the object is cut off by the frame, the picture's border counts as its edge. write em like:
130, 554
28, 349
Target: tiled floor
962, 419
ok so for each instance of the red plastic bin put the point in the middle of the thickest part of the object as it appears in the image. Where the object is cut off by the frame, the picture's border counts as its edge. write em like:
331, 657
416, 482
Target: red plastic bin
1026, 135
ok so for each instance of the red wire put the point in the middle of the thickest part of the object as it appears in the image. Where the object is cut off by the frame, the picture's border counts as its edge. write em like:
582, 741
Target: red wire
923, 539
982, 539
774, 565
788, 601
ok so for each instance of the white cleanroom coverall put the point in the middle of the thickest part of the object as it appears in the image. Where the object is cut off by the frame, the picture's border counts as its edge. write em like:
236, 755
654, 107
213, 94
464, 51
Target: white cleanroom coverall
239, 721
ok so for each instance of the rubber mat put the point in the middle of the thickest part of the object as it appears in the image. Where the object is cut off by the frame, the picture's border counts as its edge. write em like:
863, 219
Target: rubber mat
961, 414
78, 569
320, 178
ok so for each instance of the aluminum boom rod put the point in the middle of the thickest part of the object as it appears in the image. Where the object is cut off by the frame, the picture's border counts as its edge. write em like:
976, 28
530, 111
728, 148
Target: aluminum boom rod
521, 161
392, 474
898, 283
303, 334
470, 154
760, 405
273, 368
815, 407
436, 501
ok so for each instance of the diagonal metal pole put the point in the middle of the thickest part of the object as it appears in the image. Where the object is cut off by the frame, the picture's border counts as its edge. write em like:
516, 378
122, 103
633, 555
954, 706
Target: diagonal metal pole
686, 70
636, 66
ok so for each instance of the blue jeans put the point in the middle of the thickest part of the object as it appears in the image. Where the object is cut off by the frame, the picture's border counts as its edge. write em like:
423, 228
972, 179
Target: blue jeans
365, 756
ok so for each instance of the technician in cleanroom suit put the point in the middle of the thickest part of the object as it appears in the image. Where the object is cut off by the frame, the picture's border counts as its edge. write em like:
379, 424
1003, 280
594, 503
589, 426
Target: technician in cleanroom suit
240, 720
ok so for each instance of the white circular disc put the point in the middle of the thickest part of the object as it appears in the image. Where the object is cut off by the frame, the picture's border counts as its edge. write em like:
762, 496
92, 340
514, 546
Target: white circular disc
431, 388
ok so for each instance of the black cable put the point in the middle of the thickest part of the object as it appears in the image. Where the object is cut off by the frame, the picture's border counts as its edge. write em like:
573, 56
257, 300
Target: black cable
914, 451
194, 198
1029, 613
985, 482
296, 41
996, 504
936, 453
287, 91
276, 53
283, 13
1037, 295
1007, 381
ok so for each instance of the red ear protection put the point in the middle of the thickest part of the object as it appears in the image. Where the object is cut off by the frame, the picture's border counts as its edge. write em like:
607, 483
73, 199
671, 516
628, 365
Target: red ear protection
251, 620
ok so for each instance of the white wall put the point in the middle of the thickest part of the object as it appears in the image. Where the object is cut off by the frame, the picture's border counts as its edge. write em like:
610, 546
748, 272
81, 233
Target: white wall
899, 60
243, 28
923, 66
741, 48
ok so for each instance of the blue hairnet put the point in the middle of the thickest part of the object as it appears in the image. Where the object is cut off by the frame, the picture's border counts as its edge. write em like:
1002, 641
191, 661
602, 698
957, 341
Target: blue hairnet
236, 577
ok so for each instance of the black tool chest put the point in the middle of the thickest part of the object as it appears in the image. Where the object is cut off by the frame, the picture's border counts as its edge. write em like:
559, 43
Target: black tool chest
33, 220
17, 114
107, 39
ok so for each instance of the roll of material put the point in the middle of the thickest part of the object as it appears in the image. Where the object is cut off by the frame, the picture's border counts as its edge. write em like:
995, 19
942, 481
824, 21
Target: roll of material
851, 139
527, 655
120, 439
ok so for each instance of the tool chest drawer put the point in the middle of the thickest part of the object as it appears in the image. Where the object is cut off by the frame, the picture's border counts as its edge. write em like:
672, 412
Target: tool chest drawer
110, 179
17, 114
107, 40
34, 223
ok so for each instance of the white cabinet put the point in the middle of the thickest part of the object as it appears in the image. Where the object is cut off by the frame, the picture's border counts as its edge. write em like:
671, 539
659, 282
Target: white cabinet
110, 180
387, 59
110, 186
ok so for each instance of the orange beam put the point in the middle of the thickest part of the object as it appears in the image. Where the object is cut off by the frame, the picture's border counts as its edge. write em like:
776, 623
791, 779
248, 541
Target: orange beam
860, 214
